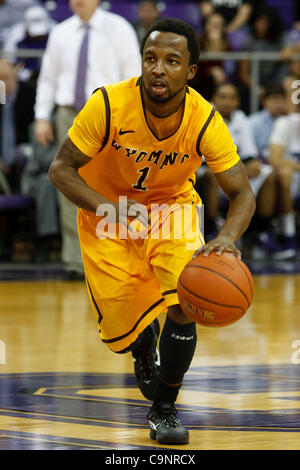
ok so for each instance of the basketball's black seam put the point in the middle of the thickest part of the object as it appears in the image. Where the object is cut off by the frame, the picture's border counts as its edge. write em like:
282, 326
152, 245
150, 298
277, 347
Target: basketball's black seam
225, 323
239, 264
221, 275
210, 301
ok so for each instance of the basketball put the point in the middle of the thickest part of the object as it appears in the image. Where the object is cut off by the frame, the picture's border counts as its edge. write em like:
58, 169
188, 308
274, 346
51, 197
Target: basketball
215, 290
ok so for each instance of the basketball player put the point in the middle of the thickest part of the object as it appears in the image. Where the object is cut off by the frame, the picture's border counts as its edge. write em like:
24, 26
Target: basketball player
143, 138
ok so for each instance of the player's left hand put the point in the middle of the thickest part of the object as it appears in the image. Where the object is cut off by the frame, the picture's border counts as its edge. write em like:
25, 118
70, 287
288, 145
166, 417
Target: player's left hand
219, 244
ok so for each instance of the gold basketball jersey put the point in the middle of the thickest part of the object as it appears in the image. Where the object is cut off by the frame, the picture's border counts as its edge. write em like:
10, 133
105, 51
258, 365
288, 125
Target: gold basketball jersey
128, 159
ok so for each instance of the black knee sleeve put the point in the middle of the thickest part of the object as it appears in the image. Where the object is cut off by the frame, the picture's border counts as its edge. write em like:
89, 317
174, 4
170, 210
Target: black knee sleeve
177, 347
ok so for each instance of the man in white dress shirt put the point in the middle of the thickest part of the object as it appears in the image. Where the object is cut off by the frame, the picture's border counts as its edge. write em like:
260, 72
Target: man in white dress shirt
111, 55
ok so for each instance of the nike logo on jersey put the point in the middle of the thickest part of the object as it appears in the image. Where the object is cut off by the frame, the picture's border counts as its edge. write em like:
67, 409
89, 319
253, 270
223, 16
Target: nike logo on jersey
121, 132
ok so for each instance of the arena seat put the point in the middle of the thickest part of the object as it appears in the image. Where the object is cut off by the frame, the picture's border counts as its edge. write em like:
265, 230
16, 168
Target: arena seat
9, 202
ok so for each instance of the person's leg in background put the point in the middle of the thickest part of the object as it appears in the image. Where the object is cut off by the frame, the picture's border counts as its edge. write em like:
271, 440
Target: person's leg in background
263, 243
266, 190
47, 226
71, 253
285, 177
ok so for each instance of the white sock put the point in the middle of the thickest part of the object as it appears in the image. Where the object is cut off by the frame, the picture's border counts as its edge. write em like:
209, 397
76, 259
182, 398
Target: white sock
288, 223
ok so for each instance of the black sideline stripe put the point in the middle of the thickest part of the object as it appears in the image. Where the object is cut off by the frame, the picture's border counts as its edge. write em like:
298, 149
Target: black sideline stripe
108, 115
203, 130
113, 340
94, 302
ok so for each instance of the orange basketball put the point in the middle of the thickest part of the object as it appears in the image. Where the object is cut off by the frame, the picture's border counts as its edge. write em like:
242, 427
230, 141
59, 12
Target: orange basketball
215, 290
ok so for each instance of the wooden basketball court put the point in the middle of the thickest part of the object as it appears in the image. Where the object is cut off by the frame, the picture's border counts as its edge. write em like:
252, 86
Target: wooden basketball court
61, 388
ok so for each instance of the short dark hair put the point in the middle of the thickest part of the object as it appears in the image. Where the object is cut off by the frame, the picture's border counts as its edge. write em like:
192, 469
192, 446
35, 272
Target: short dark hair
274, 89
220, 85
172, 25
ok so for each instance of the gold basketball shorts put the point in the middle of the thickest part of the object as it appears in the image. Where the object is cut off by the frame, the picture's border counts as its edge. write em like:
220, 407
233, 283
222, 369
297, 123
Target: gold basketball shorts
131, 281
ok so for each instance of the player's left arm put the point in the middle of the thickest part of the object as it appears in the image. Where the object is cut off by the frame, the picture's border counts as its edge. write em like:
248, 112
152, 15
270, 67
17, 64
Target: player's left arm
235, 185
221, 156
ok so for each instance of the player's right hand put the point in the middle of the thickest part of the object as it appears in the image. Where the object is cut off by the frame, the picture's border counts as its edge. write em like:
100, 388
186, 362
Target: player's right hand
43, 132
132, 209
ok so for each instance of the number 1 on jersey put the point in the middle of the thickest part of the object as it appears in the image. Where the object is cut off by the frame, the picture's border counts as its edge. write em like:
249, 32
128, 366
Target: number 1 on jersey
140, 181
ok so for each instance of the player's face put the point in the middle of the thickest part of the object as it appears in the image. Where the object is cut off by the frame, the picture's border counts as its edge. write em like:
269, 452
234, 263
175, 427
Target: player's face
165, 66
226, 100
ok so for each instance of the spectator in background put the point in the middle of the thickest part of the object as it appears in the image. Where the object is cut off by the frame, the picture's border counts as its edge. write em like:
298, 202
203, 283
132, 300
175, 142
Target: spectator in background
91, 49
297, 14
12, 12
285, 158
293, 65
16, 115
293, 36
266, 36
289, 82
261, 176
15, 118
35, 183
262, 123
148, 14
30, 34
213, 72
236, 13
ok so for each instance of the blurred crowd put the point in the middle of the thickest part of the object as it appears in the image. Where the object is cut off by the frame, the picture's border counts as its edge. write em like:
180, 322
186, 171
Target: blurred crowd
55, 53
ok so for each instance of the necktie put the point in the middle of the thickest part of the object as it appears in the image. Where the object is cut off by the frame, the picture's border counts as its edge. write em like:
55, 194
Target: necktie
80, 97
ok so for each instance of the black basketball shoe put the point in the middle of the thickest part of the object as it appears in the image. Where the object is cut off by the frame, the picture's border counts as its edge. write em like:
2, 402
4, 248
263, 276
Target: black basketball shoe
146, 360
166, 428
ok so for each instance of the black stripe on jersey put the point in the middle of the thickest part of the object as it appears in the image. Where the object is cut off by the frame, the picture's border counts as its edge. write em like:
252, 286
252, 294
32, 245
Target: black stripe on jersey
201, 133
96, 89
168, 292
192, 181
139, 81
107, 115
113, 340
94, 302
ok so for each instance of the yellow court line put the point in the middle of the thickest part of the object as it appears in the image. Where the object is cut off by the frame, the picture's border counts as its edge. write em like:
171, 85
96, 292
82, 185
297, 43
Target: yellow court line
74, 418
55, 442
143, 426
182, 408
272, 377
114, 402
199, 440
